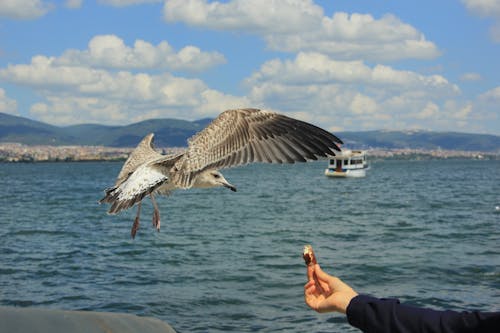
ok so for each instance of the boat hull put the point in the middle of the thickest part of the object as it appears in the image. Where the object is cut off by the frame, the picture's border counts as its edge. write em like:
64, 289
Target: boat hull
356, 173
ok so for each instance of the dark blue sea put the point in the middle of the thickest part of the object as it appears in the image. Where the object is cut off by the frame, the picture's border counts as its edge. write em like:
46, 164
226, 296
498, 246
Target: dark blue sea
427, 232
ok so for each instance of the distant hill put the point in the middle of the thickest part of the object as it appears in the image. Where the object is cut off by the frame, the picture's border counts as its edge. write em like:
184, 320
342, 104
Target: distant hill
421, 140
23, 130
168, 132
175, 132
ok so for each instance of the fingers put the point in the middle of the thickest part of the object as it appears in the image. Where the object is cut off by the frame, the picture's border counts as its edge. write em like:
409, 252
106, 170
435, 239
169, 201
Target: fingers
310, 272
334, 283
324, 280
328, 282
325, 277
309, 287
311, 295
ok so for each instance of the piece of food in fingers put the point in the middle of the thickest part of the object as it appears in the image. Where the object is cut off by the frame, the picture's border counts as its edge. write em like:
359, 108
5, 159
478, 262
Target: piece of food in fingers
308, 255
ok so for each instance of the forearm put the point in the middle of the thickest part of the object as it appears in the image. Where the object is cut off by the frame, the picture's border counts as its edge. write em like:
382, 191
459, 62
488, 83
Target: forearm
387, 315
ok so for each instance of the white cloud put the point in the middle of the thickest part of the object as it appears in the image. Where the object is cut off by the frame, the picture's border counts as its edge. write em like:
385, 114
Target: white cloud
73, 4
42, 73
486, 109
481, 114
260, 16
66, 109
463, 112
429, 111
23, 9
7, 105
362, 104
491, 96
300, 25
316, 68
487, 8
470, 77
484, 7
359, 36
110, 51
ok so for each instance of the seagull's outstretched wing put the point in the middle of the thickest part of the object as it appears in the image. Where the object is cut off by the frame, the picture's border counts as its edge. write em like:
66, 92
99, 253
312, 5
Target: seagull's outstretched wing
143, 153
238, 137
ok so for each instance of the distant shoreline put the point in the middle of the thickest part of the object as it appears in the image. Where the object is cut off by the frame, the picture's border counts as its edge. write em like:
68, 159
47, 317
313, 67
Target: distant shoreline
20, 153
17, 152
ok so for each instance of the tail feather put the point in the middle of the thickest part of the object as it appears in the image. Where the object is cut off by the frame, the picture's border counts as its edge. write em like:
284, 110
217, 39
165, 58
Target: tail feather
110, 195
143, 181
118, 204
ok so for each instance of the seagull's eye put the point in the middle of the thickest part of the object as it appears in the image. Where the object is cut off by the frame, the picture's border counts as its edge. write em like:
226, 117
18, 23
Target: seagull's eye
216, 176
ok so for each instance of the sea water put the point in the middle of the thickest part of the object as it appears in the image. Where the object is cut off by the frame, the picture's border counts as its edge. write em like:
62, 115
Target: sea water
426, 232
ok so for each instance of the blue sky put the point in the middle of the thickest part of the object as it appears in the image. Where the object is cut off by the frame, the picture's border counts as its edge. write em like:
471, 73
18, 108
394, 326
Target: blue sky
343, 65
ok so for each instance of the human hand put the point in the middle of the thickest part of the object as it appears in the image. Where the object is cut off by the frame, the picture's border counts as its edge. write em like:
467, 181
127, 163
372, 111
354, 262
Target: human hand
326, 293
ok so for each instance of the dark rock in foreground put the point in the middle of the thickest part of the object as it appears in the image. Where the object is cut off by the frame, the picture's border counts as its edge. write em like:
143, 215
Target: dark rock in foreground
37, 320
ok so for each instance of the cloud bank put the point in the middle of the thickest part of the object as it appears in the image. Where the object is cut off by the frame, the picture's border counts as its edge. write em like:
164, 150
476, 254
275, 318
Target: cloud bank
346, 94
300, 25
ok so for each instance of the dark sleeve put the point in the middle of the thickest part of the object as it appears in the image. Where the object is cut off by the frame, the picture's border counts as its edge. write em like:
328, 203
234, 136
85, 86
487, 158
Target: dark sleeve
372, 315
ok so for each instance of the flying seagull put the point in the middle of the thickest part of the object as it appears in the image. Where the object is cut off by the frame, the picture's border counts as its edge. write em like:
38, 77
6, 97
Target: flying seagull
235, 137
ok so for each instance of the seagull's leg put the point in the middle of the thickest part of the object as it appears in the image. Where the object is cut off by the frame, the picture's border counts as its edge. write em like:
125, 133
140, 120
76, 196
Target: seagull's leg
156, 213
135, 226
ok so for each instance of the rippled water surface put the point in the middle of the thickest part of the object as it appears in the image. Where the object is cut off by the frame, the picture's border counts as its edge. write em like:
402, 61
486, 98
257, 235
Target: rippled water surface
427, 232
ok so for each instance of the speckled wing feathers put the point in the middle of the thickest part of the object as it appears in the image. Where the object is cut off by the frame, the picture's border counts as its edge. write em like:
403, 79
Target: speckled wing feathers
144, 152
244, 136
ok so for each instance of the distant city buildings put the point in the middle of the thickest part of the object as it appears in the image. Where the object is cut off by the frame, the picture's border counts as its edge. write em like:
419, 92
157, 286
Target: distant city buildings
16, 152
421, 154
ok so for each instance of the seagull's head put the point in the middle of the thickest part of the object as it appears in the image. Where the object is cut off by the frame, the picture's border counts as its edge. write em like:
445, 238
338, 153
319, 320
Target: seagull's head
212, 178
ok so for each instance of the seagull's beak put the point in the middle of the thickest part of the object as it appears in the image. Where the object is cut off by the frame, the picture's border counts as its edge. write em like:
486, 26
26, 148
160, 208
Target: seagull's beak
229, 186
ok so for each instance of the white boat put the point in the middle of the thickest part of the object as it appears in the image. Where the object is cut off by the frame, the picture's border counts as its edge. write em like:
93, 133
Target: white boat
347, 163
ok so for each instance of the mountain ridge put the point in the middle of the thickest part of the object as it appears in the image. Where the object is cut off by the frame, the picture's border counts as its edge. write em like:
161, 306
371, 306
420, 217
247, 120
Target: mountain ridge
171, 132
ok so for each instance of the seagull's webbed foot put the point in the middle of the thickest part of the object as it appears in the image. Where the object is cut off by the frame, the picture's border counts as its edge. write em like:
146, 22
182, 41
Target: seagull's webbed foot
156, 214
135, 226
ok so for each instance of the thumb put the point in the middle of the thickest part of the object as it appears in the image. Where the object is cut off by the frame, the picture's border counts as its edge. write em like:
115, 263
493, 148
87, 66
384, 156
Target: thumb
320, 273
333, 282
